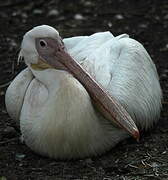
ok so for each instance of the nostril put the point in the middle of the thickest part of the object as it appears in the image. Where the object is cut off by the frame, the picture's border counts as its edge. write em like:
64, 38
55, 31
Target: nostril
61, 48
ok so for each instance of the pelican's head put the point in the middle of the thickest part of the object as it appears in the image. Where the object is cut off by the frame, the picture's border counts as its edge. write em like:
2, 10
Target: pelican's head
44, 37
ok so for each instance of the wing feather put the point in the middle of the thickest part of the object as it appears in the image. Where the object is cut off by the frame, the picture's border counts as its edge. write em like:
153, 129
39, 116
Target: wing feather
123, 67
16, 92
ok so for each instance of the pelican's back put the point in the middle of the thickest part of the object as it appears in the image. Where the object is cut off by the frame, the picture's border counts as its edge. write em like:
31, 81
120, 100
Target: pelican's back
124, 68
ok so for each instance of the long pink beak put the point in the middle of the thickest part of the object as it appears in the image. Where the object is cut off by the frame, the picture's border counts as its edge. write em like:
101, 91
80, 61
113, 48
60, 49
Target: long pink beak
58, 57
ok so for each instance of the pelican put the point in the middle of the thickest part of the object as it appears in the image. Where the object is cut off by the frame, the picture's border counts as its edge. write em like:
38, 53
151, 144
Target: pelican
80, 96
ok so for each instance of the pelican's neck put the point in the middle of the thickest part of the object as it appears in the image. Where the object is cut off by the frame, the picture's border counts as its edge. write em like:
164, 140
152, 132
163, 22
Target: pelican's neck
48, 77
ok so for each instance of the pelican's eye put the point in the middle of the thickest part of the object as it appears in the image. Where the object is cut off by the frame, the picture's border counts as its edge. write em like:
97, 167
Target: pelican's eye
43, 43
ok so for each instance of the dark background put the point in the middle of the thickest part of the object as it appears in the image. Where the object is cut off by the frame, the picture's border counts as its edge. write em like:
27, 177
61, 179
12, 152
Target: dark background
145, 21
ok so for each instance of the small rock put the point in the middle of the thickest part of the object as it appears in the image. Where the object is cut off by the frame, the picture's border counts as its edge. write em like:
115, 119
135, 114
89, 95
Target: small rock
13, 43
78, 17
20, 164
29, 7
107, 178
166, 46
53, 12
119, 16
164, 152
146, 145
127, 28
154, 164
61, 18
24, 15
4, 111
9, 132
24, 20
16, 13
116, 161
163, 76
20, 157
88, 161
157, 17
2, 92
87, 3
143, 26
110, 24
37, 11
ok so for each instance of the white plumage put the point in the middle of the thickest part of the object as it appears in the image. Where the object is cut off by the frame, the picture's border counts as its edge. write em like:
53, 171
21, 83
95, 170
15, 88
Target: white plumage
56, 115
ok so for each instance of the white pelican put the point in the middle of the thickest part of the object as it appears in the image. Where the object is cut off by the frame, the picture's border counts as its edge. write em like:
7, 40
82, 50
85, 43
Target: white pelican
81, 96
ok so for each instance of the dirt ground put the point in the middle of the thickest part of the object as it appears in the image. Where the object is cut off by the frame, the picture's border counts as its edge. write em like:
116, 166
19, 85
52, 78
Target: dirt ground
144, 20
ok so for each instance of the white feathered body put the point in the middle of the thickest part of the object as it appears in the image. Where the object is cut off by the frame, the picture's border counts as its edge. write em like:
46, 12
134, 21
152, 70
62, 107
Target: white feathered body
56, 115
